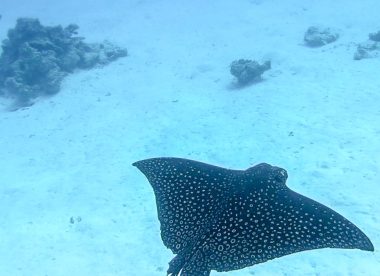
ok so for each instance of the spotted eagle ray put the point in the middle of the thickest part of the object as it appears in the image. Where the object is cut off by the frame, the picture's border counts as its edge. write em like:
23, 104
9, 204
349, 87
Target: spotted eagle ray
220, 219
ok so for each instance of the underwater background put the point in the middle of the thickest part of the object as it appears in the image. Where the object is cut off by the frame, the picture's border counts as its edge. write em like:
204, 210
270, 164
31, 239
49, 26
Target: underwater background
71, 203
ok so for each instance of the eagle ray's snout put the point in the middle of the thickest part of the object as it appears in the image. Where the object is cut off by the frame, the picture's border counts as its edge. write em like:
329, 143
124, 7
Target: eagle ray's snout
280, 174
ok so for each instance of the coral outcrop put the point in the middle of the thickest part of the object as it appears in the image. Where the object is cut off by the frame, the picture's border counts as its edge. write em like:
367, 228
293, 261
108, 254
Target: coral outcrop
247, 71
36, 58
369, 48
317, 36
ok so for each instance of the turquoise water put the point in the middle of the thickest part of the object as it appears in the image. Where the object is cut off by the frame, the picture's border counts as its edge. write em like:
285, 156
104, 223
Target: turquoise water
72, 203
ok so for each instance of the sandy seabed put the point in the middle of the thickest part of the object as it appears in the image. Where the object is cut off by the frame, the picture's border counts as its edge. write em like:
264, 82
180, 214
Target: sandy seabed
72, 204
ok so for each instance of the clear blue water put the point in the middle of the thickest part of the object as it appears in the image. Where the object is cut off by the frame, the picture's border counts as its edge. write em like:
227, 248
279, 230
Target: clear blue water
71, 202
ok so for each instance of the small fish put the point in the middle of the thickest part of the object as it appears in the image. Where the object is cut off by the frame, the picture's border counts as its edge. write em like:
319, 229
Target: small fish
219, 219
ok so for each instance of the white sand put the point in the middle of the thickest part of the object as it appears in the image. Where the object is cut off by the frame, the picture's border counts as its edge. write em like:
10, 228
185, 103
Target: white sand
69, 156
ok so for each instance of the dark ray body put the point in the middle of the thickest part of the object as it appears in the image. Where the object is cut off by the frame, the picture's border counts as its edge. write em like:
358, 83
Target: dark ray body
220, 219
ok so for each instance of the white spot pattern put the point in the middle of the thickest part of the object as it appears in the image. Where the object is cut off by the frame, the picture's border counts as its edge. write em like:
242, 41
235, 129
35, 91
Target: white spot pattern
219, 219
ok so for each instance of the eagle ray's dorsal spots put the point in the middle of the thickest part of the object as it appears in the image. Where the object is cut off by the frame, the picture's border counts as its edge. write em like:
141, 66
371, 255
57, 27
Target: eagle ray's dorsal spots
220, 219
